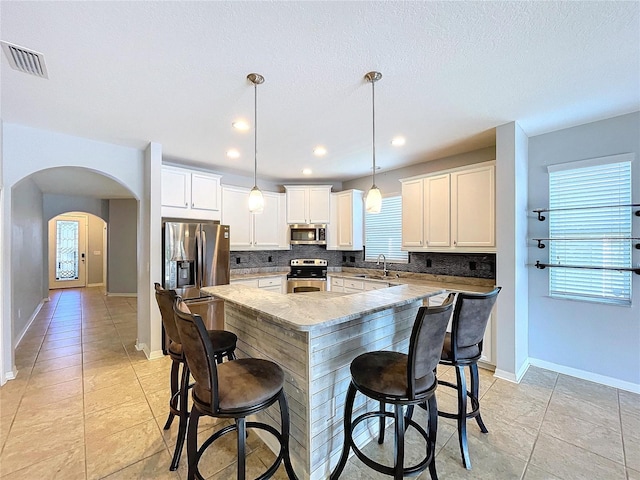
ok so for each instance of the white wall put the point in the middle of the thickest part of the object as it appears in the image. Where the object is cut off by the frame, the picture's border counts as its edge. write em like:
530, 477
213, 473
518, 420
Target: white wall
511, 252
388, 182
27, 150
593, 341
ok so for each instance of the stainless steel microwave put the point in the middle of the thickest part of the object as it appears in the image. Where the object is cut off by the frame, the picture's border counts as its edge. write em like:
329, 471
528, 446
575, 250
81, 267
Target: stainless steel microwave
308, 235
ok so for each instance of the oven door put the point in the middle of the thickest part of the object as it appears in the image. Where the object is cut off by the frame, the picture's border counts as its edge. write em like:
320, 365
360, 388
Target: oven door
306, 285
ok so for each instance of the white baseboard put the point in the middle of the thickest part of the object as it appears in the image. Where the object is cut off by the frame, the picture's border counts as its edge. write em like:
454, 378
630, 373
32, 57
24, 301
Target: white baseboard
31, 319
154, 354
110, 294
584, 375
512, 377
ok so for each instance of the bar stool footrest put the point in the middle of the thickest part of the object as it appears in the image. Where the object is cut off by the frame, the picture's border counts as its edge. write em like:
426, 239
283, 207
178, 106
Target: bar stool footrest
384, 469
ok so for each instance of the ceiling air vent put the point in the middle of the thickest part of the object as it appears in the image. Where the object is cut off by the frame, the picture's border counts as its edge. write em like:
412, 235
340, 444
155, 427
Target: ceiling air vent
25, 60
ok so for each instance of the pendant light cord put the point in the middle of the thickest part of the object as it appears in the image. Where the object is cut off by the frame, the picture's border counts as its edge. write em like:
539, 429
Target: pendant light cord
373, 109
255, 134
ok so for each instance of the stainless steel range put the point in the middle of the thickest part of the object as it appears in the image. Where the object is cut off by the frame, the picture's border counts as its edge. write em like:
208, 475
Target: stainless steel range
307, 275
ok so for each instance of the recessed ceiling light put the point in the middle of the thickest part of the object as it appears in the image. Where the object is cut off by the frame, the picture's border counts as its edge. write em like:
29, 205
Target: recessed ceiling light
319, 151
240, 125
398, 141
307, 171
233, 153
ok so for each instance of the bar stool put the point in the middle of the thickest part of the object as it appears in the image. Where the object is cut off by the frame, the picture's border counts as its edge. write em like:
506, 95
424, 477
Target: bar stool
401, 380
230, 390
224, 346
463, 347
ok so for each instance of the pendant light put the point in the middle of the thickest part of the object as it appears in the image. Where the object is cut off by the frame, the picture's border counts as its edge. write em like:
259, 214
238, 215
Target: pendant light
373, 201
256, 200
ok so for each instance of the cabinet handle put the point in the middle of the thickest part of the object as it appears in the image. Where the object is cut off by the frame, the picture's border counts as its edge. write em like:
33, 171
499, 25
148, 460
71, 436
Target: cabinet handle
193, 205
186, 204
455, 242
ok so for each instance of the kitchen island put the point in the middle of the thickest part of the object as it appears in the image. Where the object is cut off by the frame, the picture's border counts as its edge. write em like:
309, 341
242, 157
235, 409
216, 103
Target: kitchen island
314, 337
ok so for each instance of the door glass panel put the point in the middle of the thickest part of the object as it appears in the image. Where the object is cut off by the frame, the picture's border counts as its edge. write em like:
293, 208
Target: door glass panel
67, 250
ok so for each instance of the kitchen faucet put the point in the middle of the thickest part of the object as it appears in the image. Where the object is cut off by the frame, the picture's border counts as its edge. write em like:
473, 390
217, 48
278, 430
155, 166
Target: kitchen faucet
385, 272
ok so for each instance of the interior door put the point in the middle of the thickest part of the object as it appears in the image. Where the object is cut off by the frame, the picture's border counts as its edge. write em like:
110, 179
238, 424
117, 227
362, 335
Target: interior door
67, 251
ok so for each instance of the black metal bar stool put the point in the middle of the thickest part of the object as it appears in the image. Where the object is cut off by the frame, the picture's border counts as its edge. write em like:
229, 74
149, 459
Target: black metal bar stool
463, 347
230, 390
403, 381
224, 345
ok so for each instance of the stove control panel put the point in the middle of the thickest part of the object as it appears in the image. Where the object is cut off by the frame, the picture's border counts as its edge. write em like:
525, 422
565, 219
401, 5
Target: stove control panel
308, 262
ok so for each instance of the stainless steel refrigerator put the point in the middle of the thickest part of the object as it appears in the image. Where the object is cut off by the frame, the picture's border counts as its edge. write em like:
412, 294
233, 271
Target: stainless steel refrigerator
196, 255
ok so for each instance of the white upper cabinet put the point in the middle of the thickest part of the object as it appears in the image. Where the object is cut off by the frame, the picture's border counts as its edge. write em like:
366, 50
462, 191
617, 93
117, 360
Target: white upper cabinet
262, 231
346, 228
450, 211
473, 204
190, 194
308, 204
412, 213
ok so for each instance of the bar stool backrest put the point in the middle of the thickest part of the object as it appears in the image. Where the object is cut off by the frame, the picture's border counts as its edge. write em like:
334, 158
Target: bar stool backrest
198, 350
427, 338
166, 299
470, 319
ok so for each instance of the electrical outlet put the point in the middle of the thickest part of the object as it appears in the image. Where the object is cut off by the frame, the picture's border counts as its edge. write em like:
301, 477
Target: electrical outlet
472, 265
428, 263
352, 259
237, 260
270, 259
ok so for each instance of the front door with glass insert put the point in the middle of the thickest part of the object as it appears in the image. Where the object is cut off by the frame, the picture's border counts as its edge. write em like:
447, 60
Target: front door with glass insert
67, 254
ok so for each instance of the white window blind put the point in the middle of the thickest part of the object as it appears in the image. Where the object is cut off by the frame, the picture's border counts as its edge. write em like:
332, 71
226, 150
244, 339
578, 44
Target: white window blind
583, 236
383, 232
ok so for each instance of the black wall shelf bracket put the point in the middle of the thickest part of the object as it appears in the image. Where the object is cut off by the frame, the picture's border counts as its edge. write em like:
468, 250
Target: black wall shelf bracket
542, 218
542, 266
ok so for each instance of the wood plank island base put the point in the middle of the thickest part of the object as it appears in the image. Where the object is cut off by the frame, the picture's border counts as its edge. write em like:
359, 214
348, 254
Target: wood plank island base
314, 337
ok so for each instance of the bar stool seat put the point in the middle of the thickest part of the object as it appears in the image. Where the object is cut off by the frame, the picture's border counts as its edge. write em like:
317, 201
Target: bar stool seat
242, 384
403, 380
224, 345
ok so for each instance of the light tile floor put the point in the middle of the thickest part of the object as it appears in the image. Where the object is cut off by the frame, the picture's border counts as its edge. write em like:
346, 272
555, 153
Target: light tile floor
87, 405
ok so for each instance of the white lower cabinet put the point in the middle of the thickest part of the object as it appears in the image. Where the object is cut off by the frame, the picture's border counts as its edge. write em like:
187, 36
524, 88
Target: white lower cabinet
274, 283
263, 231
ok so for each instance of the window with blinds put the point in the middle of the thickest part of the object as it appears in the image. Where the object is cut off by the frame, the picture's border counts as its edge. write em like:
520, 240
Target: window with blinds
383, 232
592, 232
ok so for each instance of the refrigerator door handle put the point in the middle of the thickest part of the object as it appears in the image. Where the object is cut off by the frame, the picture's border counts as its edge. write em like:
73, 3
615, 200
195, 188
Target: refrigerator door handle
198, 258
202, 254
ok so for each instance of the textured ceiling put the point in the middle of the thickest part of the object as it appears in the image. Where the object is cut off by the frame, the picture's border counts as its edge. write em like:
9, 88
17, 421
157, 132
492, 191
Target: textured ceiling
175, 73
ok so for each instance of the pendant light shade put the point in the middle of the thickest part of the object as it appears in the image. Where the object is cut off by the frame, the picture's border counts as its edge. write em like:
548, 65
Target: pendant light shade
256, 200
373, 202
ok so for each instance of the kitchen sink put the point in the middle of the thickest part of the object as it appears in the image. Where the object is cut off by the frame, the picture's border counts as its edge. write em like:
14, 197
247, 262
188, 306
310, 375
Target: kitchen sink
371, 277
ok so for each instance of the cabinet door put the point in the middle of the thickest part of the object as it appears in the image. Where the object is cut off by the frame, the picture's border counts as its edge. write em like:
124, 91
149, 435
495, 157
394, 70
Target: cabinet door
345, 220
319, 201
412, 213
235, 213
175, 188
205, 192
437, 211
266, 225
473, 207
297, 205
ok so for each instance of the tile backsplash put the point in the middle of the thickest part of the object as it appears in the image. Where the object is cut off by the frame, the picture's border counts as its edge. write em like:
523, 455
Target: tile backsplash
475, 265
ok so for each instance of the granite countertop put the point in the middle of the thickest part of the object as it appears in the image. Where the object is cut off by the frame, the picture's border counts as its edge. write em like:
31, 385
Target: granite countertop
319, 309
454, 284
